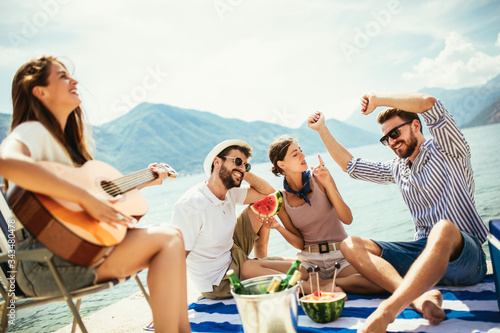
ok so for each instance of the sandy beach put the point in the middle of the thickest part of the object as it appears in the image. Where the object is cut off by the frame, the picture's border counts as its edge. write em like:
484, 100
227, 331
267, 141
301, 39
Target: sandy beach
129, 315
132, 314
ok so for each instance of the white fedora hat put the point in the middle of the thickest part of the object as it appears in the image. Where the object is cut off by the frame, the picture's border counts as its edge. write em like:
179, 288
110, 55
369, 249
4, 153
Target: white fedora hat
207, 165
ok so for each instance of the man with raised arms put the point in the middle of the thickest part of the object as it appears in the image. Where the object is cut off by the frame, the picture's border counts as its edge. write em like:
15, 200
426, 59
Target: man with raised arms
435, 179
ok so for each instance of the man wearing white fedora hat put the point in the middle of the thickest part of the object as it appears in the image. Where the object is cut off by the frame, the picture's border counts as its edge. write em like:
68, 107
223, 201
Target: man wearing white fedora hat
215, 239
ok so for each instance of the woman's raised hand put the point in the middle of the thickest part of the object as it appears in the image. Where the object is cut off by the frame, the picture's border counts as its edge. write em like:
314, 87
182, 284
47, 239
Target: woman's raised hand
321, 172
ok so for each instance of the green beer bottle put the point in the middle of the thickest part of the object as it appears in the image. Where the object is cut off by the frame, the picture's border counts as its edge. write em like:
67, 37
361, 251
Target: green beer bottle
235, 282
294, 279
275, 283
284, 283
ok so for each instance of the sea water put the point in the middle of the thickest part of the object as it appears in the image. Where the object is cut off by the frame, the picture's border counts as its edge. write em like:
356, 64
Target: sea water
378, 210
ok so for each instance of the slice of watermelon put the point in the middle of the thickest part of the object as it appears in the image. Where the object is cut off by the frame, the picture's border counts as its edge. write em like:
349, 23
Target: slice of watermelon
268, 206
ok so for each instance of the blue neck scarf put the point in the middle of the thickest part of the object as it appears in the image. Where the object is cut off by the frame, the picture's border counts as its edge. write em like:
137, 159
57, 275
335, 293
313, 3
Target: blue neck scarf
306, 187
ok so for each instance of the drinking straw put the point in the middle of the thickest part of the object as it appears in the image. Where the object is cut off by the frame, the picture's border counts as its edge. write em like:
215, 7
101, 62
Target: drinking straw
309, 270
316, 270
337, 266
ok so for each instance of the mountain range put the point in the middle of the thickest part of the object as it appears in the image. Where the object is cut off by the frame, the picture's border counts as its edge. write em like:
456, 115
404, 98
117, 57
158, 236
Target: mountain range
182, 137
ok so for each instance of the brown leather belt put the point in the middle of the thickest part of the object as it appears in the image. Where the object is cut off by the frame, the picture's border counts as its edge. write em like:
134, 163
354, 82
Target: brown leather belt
323, 247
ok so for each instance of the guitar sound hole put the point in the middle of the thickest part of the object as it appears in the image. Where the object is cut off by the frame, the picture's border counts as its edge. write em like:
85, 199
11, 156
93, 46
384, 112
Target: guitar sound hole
110, 188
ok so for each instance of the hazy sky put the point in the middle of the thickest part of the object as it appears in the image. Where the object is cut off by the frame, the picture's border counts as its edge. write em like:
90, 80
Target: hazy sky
268, 60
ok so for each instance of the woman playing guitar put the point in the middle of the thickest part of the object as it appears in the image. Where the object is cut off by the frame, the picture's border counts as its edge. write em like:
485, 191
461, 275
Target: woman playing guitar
47, 125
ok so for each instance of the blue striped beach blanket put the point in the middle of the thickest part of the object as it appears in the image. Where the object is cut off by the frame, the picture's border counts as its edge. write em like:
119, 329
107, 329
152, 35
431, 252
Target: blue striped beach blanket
468, 309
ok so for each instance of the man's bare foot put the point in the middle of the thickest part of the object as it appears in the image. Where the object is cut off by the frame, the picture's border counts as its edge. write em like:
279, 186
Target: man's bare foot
378, 321
429, 305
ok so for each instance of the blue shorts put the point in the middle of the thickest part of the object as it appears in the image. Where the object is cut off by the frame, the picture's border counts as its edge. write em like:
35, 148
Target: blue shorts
469, 268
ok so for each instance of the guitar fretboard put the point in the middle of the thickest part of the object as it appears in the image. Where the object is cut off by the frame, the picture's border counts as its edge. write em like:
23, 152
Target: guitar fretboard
126, 183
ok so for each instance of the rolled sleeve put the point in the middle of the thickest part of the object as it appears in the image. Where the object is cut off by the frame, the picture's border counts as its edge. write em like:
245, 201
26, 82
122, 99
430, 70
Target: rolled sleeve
376, 172
239, 194
434, 115
445, 131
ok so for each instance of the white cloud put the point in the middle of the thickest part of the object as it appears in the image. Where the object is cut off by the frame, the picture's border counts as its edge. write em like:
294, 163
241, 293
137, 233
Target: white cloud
498, 40
261, 57
458, 65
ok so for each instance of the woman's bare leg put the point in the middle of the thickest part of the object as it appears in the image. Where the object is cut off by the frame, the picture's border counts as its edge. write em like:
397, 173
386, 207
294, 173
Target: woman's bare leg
349, 280
161, 249
254, 268
352, 282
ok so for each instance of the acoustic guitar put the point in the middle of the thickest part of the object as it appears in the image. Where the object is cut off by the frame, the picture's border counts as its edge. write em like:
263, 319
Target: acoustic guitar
69, 231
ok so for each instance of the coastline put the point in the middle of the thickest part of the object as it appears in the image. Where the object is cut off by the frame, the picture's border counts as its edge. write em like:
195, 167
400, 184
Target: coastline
132, 314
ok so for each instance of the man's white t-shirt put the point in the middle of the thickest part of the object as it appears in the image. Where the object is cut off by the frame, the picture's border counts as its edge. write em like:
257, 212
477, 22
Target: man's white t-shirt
207, 225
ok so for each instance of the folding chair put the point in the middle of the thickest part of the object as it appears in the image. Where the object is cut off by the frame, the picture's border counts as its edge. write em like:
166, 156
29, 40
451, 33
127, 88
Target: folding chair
12, 294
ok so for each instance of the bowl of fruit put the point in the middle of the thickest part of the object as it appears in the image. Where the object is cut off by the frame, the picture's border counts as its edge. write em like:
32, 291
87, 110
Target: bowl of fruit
323, 307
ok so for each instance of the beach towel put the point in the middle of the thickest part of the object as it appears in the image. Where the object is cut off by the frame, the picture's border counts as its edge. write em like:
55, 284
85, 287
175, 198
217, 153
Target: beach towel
468, 309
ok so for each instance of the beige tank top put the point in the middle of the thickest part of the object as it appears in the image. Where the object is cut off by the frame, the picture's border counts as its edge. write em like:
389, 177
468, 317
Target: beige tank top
317, 222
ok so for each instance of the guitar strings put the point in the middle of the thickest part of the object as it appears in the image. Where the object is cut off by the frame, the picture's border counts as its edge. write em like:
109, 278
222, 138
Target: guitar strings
127, 183
142, 176
138, 178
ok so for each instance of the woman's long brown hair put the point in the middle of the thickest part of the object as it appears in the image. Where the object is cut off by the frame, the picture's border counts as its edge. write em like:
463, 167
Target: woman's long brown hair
27, 107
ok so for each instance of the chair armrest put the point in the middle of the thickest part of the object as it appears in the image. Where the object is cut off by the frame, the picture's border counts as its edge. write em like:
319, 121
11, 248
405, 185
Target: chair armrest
494, 241
494, 235
39, 255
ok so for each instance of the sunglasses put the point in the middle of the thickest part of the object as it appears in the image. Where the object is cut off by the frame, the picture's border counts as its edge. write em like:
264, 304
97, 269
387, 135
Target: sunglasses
393, 134
238, 161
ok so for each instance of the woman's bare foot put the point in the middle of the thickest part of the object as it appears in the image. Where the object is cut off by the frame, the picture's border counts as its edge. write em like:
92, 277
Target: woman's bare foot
429, 305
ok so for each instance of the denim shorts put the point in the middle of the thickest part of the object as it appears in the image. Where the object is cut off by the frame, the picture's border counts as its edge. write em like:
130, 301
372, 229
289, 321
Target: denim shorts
468, 269
36, 279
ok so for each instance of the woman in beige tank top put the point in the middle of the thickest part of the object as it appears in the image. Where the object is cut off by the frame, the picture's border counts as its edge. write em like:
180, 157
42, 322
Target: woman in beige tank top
313, 216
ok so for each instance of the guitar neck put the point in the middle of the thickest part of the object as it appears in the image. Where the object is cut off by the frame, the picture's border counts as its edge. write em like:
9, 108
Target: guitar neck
126, 183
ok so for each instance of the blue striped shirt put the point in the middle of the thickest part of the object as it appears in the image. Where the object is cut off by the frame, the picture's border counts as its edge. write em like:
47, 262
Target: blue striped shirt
439, 184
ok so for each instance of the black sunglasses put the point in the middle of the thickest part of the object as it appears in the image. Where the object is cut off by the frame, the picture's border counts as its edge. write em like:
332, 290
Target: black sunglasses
238, 161
393, 133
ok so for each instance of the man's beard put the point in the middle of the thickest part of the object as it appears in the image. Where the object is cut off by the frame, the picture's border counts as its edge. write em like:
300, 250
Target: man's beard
227, 178
411, 145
